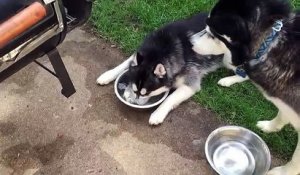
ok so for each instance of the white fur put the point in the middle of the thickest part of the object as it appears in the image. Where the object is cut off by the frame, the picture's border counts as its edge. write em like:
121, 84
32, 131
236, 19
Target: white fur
292, 167
207, 29
159, 91
178, 96
179, 81
286, 115
227, 61
112, 74
228, 81
258, 12
205, 45
126, 95
143, 91
286, 111
134, 87
227, 38
273, 125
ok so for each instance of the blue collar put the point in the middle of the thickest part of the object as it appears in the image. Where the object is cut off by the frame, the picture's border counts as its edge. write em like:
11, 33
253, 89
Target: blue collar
263, 47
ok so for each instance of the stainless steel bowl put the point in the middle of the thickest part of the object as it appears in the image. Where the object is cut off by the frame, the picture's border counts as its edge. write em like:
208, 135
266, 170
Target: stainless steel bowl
233, 150
153, 101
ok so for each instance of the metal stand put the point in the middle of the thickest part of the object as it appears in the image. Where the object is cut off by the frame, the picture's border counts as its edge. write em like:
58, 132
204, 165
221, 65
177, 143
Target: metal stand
68, 88
61, 73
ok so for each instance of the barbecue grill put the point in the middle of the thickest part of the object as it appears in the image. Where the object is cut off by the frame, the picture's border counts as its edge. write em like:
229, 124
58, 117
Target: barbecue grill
30, 29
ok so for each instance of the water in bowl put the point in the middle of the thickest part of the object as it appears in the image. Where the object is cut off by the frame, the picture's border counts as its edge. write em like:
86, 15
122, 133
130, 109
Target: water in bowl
233, 158
131, 97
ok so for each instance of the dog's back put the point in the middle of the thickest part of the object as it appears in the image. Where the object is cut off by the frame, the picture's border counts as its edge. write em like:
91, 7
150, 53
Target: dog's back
178, 30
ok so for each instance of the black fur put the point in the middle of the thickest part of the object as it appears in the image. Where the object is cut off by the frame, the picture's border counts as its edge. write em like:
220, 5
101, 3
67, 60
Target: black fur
172, 40
277, 73
238, 20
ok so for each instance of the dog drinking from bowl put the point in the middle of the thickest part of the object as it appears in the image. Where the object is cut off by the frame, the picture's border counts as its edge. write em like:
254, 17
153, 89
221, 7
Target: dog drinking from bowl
166, 60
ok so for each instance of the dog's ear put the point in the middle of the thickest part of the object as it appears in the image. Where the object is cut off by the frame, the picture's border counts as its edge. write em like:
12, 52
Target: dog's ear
160, 70
278, 9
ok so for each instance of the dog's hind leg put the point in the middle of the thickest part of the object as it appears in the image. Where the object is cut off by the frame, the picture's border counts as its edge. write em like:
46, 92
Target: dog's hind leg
112, 74
181, 94
273, 125
292, 167
228, 81
290, 115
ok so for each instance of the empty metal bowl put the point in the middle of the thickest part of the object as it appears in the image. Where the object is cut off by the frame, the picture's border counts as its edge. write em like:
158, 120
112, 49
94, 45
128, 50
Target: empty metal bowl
234, 150
152, 102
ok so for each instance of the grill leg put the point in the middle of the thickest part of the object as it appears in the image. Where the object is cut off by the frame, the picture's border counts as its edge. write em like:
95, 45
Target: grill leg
68, 88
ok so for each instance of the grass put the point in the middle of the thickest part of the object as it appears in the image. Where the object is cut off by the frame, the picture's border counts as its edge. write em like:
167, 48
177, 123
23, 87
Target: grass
126, 22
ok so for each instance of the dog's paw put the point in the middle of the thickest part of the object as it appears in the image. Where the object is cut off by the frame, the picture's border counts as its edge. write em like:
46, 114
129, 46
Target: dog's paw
284, 170
267, 126
226, 82
277, 171
157, 117
105, 78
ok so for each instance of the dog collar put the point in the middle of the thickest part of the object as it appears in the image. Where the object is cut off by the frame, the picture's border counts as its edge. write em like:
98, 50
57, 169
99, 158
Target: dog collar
263, 47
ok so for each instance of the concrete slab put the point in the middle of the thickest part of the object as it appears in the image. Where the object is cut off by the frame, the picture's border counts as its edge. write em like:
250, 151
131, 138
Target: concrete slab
42, 132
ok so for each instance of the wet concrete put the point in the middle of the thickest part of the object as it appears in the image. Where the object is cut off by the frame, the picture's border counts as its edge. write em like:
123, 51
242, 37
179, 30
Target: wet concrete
42, 132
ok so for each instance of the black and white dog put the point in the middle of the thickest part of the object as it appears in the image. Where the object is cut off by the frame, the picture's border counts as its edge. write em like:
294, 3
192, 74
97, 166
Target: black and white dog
262, 37
166, 60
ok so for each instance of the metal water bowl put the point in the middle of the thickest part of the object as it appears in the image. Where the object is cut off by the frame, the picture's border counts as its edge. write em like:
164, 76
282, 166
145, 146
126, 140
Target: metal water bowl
152, 102
233, 150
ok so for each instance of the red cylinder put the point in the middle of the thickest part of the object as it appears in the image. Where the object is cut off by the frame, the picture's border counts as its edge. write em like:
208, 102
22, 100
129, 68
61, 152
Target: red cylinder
20, 22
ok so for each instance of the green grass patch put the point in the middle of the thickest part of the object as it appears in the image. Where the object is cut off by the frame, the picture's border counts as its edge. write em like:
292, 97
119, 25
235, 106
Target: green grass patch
243, 105
126, 22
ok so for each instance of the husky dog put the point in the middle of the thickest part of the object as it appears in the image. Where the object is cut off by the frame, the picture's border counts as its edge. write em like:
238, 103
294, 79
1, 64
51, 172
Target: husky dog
262, 37
165, 61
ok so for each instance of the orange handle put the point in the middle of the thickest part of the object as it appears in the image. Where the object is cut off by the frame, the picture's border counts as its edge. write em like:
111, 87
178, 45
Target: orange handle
22, 21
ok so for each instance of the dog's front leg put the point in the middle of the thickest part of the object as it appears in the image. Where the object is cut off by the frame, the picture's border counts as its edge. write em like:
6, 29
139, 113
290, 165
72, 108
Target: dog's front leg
112, 74
273, 125
228, 81
181, 94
